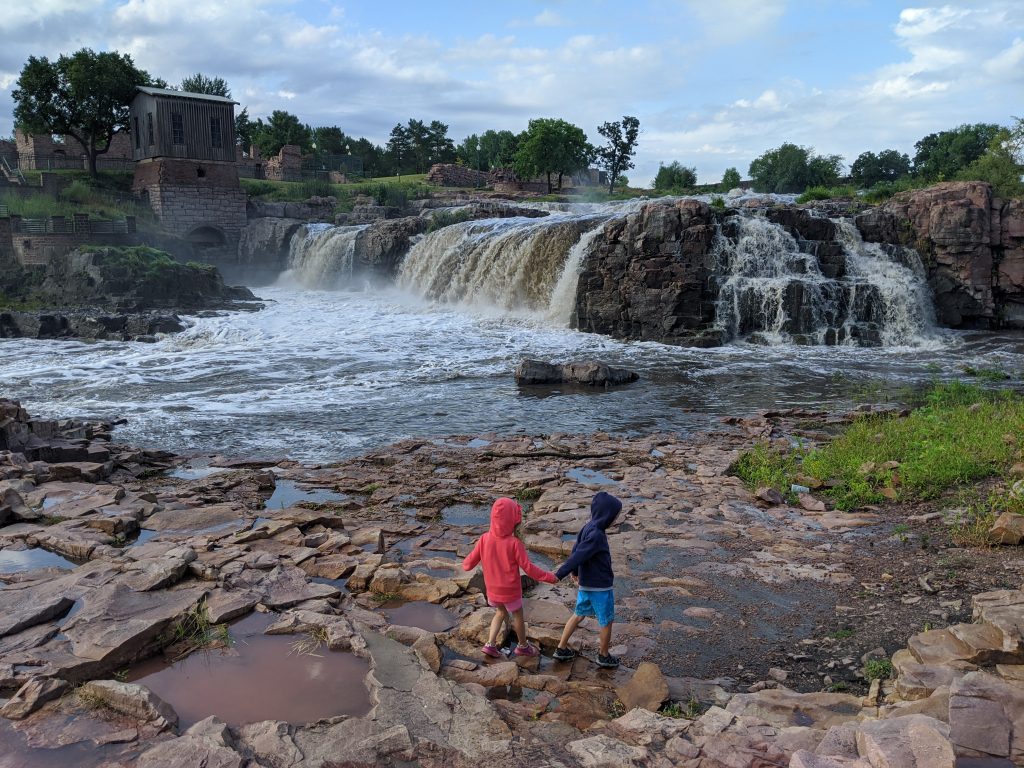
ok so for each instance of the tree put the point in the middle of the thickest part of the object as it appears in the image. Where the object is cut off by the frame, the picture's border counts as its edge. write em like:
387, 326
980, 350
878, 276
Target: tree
490, 150
280, 129
84, 95
616, 156
552, 146
245, 130
331, 140
675, 177
730, 179
441, 149
870, 169
1002, 165
212, 86
943, 155
399, 147
789, 168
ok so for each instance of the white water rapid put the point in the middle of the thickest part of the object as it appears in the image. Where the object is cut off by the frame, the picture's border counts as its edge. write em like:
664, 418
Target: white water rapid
776, 292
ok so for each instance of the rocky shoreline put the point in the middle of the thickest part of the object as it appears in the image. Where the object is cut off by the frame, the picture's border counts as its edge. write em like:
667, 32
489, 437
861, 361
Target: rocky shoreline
745, 625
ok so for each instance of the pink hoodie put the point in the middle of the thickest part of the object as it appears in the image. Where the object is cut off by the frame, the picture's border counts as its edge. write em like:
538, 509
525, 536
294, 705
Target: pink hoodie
503, 554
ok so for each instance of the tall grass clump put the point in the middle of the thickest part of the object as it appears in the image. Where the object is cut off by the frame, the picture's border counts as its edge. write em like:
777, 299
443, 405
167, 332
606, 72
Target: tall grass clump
961, 434
826, 193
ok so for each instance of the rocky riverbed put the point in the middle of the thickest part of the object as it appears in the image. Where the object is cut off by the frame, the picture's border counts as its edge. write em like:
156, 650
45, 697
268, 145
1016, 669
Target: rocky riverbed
160, 610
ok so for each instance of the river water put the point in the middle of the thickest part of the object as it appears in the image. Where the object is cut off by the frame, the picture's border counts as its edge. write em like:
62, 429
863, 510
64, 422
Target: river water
322, 375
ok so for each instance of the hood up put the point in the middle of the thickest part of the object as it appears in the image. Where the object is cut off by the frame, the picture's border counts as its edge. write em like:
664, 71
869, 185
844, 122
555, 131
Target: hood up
505, 516
604, 508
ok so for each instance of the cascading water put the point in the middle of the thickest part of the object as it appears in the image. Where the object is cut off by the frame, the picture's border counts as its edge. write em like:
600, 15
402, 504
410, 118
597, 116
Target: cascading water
323, 257
841, 292
512, 264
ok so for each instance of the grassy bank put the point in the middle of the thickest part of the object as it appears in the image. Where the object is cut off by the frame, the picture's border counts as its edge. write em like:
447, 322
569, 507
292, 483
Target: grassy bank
390, 191
961, 434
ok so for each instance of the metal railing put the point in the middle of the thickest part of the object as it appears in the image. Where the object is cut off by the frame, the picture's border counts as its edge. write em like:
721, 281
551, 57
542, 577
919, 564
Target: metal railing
59, 225
3, 211
12, 174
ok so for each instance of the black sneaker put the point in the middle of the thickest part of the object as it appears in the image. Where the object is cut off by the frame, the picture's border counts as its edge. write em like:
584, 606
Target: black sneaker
608, 662
563, 654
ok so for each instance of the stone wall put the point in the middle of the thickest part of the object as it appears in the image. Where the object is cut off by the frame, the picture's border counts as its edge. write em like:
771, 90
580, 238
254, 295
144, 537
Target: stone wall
287, 166
42, 152
972, 243
183, 208
452, 175
41, 249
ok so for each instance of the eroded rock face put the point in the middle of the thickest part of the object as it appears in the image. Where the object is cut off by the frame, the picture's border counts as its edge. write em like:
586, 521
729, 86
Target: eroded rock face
972, 244
588, 373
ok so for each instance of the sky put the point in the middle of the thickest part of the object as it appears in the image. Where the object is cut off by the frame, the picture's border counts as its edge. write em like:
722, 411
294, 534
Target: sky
713, 83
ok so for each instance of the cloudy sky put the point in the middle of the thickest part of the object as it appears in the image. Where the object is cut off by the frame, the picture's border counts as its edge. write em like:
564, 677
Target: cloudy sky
714, 84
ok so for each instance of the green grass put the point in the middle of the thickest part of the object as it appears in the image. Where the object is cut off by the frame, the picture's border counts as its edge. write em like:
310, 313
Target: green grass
385, 191
826, 193
884, 190
961, 434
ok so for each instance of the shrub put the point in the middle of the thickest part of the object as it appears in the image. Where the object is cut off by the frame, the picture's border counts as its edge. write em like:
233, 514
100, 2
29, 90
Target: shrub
826, 193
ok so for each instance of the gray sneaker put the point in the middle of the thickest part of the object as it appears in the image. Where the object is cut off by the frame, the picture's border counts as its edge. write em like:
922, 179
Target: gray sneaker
608, 662
563, 654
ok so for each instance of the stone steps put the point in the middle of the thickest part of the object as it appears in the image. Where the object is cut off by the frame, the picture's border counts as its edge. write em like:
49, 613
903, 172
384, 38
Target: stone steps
1004, 611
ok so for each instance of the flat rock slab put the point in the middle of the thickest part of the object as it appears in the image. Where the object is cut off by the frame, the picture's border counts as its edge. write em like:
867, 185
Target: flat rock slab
24, 608
116, 623
220, 518
131, 699
783, 707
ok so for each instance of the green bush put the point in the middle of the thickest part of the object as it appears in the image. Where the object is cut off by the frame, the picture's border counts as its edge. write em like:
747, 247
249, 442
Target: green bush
826, 193
442, 219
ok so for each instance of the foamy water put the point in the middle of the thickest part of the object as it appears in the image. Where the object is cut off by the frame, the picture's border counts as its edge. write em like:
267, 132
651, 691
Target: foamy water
320, 375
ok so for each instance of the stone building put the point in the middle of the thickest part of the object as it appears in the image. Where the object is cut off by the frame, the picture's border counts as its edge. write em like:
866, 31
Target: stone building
184, 145
45, 152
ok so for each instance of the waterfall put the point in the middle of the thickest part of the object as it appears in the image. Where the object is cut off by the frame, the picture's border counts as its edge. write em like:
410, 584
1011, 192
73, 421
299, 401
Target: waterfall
776, 290
513, 264
563, 297
323, 256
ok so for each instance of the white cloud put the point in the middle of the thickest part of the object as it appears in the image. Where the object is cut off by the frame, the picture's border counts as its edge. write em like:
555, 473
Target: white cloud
548, 18
733, 21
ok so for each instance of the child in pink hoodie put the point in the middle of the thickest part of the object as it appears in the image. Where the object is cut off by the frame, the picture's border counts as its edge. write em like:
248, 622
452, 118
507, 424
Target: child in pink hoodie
502, 555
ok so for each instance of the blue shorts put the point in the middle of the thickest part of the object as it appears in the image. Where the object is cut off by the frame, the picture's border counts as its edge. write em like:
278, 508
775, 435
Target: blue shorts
599, 604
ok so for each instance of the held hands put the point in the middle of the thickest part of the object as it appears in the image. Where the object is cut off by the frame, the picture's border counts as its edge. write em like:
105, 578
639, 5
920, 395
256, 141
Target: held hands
550, 578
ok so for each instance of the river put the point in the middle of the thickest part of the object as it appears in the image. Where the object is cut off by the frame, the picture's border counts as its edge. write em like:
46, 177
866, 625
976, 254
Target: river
321, 375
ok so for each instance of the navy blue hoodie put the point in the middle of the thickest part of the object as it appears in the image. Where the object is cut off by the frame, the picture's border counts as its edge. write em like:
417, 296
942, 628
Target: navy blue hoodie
591, 559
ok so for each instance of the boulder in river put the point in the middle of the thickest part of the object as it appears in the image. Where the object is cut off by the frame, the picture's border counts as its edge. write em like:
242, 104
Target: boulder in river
586, 372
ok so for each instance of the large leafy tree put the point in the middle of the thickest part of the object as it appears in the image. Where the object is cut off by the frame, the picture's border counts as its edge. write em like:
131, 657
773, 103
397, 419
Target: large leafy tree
399, 147
212, 86
945, 154
888, 165
552, 146
1002, 165
616, 155
491, 149
675, 177
789, 168
84, 95
280, 129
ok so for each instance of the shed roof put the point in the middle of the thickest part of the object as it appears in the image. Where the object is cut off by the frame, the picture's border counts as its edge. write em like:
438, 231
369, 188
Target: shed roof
183, 94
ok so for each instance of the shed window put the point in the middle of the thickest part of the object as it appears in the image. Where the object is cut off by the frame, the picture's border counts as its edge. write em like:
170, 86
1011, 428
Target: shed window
138, 137
177, 128
215, 136
149, 129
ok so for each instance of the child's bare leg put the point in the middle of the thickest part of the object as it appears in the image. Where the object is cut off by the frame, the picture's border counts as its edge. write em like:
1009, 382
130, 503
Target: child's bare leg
570, 627
500, 617
519, 624
605, 638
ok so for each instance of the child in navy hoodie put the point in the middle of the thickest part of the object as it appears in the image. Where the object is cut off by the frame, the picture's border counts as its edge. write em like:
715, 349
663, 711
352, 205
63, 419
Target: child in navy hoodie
591, 564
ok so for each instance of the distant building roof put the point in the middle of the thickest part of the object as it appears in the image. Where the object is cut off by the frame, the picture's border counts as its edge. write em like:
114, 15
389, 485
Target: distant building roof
183, 94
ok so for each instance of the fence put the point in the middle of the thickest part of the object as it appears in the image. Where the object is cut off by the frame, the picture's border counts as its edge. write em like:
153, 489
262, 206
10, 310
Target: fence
61, 225
59, 161
3, 210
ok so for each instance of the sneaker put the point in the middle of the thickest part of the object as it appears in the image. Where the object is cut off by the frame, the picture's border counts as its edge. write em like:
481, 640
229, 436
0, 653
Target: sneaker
492, 651
563, 654
608, 662
526, 650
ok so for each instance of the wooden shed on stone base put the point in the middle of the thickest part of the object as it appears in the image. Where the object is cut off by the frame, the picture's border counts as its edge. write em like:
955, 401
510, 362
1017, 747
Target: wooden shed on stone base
184, 145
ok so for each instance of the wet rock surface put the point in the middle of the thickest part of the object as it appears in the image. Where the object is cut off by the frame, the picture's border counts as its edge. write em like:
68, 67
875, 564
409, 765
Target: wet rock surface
751, 618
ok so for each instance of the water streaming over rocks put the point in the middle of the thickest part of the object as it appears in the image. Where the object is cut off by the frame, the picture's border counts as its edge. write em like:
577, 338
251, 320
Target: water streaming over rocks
778, 290
323, 256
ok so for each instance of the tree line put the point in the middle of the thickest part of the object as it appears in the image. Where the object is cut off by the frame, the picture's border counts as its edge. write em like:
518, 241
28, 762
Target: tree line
975, 152
87, 95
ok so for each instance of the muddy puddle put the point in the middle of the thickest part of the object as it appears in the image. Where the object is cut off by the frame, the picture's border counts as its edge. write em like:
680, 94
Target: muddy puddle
15, 752
432, 618
590, 478
260, 677
16, 561
288, 493
195, 471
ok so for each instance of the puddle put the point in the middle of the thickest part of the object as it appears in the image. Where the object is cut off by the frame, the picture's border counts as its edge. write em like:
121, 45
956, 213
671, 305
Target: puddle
432, 618
16, 753
259, 678
467, 514
340, 584
589, 477
288, 493
144, 535
16, 561
435, 573
543, 561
